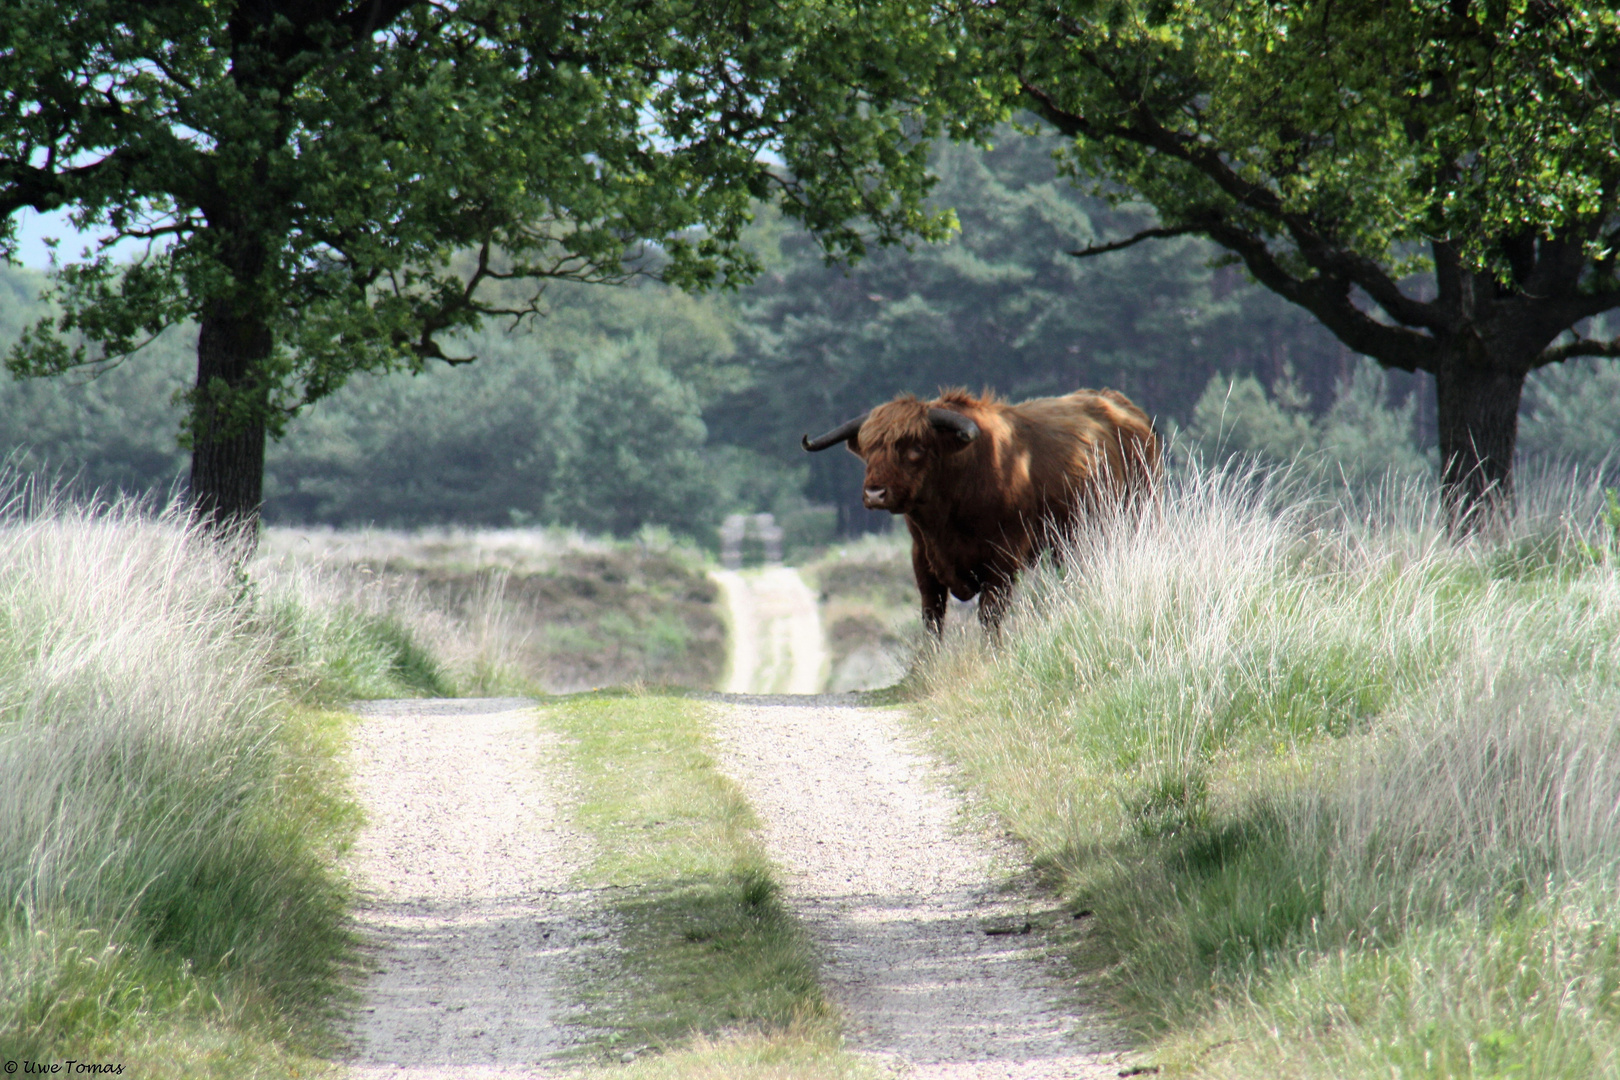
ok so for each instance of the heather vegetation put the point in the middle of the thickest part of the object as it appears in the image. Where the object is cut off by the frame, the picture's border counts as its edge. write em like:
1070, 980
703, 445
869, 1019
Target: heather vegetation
1330, 793
869, 611
532, 611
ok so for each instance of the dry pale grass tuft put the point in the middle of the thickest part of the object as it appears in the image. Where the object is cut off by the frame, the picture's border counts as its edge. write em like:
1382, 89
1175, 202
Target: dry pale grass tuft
1286, 745
167, 821
131, 700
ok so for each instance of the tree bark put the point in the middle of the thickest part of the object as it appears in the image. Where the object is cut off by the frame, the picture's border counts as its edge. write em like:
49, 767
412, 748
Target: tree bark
228, 431
1477, 410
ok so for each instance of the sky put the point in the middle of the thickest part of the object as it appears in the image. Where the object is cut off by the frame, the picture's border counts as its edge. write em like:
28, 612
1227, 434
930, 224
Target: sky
34, 227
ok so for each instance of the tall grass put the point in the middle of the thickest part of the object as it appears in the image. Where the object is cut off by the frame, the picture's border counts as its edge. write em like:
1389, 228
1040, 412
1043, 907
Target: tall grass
1315, 767
168, 822
341, 637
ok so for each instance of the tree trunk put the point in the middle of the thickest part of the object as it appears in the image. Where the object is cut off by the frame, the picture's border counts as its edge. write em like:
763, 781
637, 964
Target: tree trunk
228, 426
1477, 410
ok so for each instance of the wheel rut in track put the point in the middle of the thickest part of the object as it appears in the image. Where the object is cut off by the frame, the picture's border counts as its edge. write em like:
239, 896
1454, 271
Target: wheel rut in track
466, 873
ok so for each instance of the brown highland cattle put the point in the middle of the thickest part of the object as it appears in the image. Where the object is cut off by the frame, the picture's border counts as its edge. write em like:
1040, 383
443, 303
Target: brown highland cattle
985, 486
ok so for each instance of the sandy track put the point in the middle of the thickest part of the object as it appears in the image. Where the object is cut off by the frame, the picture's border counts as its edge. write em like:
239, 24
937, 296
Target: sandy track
776, 645
898, 891
463, 867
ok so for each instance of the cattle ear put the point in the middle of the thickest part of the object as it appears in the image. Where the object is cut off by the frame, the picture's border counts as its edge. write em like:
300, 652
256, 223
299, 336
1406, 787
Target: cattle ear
854, 444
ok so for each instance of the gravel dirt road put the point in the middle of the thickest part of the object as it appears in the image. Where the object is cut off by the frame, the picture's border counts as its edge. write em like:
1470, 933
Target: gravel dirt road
465, 868
899, 887
776, 641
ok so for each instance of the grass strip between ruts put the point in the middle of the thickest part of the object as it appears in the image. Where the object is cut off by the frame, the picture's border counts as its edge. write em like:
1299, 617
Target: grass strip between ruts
713, 976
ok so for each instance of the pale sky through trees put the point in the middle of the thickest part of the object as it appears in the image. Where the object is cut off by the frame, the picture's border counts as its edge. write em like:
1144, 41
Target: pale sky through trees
33, 228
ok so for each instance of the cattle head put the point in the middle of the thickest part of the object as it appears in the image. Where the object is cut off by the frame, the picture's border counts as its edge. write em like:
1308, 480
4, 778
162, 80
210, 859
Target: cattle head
902, 443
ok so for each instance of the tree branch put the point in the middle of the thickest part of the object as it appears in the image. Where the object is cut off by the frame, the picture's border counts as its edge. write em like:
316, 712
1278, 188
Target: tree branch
173, 229
1326, 295
1575, 308
1328, 298
1120, 245
1314, 246
1557, 354
44, 190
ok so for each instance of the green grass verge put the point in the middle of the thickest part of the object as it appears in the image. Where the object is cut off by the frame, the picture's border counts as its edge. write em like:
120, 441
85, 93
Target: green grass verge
170, 822
231, 963
713, 976
1340, 797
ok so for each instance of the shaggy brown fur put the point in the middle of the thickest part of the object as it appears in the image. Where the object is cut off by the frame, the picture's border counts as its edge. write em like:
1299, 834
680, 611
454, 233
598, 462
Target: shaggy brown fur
981, 511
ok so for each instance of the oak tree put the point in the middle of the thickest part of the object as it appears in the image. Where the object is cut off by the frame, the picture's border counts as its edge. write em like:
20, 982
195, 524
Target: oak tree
334, 186
1435, 180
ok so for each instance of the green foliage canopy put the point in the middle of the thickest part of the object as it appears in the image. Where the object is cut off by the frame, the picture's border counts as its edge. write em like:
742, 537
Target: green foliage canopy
589, 417
304, 171
1437, 182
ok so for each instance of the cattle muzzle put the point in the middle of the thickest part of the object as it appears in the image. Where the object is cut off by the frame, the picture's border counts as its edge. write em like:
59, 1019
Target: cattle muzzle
878, 498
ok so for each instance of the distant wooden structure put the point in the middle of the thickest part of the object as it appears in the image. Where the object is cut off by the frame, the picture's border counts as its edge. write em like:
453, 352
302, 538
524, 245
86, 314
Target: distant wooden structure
737, 529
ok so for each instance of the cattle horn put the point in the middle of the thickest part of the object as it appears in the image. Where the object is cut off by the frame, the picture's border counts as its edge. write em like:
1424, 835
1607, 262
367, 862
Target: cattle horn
961, 426
841, 433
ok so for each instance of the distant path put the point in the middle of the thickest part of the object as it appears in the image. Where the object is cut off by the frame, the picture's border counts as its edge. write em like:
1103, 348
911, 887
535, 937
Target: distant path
463, 868
892, 883
898, 891
776, 643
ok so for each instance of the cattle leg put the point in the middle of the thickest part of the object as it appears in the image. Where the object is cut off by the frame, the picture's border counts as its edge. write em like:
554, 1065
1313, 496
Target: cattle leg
933, 594
993, 604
